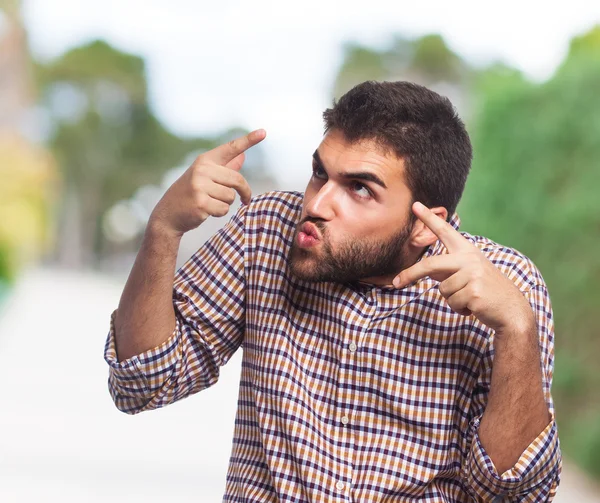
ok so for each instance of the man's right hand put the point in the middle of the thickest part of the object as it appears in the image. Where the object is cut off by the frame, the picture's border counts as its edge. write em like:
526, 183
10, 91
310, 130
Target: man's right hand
206, 188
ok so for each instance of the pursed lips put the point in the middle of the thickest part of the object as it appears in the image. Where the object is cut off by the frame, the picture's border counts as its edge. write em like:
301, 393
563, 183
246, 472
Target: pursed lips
310, 229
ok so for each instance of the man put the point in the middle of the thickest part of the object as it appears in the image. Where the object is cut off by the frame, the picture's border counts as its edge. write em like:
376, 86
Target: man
386, 356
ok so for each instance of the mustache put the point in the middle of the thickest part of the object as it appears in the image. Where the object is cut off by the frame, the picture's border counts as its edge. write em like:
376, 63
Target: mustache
317, 222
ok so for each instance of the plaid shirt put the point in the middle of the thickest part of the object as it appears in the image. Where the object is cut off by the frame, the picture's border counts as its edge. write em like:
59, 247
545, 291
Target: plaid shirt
348, 392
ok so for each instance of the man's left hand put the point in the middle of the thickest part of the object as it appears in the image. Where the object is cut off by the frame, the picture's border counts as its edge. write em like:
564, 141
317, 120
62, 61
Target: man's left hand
468, 280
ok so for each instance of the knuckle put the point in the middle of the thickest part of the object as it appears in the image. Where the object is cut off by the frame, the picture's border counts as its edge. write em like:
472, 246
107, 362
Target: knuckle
202, 215
198, 184
230, 196
237, 179
221, 210
232, 145
199, 166
475, 272
442, 287
475, 291
201, 200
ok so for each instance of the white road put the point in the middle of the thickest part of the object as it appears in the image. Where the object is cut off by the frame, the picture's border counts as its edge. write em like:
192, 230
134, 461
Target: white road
63, 440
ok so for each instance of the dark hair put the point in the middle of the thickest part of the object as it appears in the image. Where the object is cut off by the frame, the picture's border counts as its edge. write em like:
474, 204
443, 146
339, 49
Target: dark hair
417, 125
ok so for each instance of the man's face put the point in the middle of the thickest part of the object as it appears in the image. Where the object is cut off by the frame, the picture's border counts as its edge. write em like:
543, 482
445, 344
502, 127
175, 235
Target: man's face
356, 219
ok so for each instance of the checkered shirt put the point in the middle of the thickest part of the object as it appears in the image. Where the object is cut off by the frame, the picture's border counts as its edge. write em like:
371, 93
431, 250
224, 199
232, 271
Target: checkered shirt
348, 392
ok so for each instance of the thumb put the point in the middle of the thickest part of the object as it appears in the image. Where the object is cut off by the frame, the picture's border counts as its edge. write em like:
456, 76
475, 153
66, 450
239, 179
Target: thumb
237, 162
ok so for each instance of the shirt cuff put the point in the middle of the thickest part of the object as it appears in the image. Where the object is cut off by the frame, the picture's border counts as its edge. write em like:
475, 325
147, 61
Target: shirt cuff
133, 382
539, 462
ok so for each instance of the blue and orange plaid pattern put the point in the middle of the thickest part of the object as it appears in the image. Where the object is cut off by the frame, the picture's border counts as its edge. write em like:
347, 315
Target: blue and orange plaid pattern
348, 392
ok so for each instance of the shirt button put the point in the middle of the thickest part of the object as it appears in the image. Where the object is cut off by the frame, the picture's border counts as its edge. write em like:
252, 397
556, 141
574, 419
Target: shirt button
340, 485
352, 347
345, 420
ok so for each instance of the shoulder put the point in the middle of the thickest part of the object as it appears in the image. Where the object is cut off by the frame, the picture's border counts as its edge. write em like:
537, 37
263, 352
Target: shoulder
513, 263
275, 209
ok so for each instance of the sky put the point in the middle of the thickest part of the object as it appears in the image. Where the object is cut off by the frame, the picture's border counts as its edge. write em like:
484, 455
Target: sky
271, 64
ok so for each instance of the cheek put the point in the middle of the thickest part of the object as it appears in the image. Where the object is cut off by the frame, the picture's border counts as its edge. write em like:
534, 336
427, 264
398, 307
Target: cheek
363, 222
359, 215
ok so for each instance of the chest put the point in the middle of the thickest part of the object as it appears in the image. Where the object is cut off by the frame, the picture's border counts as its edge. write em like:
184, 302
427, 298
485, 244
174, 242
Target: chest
399, 360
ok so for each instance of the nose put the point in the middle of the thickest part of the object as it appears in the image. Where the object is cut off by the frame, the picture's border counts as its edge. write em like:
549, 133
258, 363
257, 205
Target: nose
321, 205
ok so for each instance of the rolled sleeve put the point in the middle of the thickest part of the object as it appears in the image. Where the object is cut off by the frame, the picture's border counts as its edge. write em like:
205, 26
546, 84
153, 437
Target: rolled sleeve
208, 301
535, 474
134, 384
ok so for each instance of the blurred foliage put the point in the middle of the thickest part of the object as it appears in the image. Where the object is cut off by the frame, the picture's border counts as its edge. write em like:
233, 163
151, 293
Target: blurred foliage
427, 60
582, 439
26, 171
105, 137
26, 195
534, 187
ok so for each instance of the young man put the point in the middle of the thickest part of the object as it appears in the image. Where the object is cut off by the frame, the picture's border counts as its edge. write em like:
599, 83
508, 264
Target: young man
387, 356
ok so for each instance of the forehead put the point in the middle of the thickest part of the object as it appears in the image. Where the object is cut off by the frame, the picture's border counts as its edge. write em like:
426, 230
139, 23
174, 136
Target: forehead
338, 154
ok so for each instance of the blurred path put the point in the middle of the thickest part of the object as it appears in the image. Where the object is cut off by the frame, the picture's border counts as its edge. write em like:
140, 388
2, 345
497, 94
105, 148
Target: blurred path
62, 438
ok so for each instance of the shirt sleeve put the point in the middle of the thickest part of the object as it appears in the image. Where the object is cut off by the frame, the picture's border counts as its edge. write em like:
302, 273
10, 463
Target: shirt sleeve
536, 475
208, 299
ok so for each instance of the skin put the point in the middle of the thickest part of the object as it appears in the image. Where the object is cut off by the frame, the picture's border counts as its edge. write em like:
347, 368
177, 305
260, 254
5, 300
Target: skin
145, 317
353, 210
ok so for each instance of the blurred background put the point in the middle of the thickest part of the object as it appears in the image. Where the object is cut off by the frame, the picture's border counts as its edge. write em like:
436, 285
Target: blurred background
104, 104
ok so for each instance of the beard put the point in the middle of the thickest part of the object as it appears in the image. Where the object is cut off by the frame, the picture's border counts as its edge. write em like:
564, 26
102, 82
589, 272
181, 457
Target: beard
352, 260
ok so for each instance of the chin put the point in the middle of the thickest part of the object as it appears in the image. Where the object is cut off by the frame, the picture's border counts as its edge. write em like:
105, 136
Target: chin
302, 268
303, 265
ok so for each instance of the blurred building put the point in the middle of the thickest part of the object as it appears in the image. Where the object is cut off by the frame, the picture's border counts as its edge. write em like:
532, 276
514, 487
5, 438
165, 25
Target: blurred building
16, 89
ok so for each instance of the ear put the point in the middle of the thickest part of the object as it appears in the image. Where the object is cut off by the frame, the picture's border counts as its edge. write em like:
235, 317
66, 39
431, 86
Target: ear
422, 235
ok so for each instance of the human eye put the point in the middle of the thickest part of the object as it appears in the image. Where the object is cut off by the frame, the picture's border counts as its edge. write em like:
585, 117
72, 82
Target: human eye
319, 172
360, 190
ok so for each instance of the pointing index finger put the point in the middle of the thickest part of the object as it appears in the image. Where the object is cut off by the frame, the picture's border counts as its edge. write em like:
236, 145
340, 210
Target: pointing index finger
448, 235
230, 150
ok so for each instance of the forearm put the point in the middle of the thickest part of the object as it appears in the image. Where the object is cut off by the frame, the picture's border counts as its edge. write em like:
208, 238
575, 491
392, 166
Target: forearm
145, 317
516, 412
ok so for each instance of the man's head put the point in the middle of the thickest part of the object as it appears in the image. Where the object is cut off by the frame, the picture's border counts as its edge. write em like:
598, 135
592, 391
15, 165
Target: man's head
386, 145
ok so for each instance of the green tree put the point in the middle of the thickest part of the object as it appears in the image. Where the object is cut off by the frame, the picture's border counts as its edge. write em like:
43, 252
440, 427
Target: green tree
105, 137
426, 60
534, 187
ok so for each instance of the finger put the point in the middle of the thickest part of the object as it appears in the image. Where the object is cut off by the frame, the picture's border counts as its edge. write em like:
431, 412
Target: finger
221, 193
452, 239
230, 150
237, 162
459, 301
215, 207
230, 178
439, 268
454, 283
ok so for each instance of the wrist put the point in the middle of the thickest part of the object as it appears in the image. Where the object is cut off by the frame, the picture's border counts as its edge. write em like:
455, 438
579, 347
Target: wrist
160, 230
517, 339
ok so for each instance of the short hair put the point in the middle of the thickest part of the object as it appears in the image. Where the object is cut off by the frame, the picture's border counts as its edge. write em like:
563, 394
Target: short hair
417, 125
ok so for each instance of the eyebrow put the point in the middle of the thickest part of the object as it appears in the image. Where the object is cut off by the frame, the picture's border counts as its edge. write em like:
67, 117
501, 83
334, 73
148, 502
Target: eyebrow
357, 175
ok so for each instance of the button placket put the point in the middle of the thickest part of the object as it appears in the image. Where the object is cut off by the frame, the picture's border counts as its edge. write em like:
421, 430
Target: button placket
357, 325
